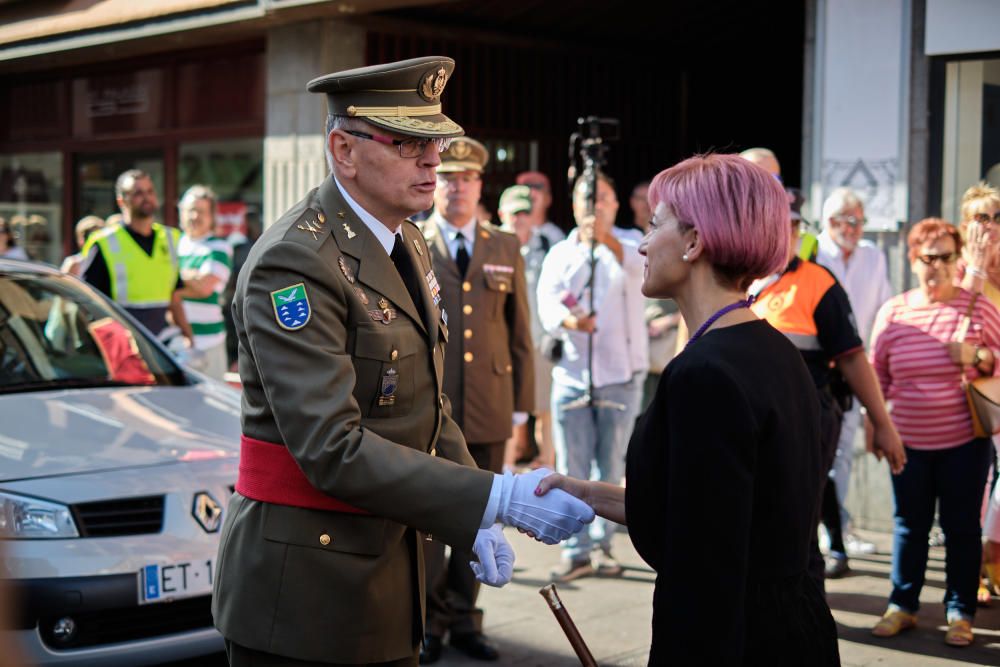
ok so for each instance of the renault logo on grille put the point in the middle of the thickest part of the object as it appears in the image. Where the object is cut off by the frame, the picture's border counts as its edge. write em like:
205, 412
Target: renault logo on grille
207, 511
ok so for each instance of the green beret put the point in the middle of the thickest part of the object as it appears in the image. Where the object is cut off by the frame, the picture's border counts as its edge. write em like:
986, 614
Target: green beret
403, 97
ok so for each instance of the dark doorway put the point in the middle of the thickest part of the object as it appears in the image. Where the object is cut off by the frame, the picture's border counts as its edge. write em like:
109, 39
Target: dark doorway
683, 77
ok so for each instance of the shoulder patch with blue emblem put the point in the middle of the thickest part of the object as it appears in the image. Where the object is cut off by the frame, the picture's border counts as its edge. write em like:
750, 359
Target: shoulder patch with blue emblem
291, 307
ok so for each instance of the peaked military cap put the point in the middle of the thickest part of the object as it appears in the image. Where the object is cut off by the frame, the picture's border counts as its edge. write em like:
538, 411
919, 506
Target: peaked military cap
403, 96
464, 154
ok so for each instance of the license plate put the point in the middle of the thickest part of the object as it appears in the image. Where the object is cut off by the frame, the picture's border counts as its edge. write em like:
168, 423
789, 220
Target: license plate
161, 583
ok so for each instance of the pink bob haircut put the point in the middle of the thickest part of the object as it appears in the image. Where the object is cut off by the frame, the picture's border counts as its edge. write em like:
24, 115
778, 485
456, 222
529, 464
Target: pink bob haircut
740, 211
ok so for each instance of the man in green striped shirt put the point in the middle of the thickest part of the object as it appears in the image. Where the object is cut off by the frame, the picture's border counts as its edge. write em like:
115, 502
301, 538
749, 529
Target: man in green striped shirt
205, 263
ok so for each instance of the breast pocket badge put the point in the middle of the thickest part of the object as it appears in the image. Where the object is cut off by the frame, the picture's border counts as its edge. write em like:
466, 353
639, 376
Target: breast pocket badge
291, 307
390, 382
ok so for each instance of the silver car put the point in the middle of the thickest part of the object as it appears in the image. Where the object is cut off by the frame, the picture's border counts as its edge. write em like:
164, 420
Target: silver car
116, 466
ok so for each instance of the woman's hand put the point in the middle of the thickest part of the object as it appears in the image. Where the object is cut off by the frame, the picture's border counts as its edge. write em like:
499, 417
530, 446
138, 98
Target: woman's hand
961, 353
977, 245
571, 485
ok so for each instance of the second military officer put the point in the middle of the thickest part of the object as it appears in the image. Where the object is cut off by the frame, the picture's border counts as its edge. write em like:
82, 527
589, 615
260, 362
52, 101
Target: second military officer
488, 371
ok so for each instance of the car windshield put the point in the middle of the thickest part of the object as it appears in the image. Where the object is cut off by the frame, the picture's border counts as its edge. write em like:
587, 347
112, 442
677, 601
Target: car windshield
57, 333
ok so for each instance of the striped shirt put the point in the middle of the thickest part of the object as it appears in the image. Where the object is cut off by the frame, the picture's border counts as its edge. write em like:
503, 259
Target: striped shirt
207, 256
919, 379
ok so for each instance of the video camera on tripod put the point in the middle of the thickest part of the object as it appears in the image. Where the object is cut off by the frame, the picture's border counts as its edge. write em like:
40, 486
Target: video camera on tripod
589, 144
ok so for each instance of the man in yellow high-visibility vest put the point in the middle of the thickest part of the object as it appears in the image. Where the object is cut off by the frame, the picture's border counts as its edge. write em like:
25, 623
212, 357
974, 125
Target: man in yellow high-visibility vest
135, 262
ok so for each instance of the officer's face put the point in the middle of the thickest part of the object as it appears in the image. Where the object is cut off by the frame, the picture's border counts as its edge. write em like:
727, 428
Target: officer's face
388, 186
139, 201
457, 195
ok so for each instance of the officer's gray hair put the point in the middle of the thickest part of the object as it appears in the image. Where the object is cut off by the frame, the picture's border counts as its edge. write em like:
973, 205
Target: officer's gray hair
339, 123
837, 202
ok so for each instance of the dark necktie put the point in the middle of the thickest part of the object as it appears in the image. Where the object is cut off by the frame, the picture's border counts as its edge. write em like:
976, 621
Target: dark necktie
407, 273
462, 255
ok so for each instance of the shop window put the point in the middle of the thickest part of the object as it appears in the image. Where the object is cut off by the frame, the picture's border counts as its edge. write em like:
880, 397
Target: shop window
31, 202
233, 169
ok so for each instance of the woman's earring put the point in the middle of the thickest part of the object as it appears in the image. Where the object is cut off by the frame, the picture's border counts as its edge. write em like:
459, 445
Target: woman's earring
684, 257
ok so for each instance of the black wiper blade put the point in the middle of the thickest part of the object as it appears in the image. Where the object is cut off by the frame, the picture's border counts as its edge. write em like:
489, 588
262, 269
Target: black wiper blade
65, 383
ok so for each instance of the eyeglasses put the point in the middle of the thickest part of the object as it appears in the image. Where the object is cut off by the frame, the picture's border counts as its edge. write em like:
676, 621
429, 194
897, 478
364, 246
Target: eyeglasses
946, 258
851, 221
984, 218
408, 148
534, 186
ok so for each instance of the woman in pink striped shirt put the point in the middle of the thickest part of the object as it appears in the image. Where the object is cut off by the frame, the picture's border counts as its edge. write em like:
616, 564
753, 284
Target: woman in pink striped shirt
921, 367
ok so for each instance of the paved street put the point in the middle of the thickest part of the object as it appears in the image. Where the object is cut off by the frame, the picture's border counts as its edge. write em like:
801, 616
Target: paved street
613, 615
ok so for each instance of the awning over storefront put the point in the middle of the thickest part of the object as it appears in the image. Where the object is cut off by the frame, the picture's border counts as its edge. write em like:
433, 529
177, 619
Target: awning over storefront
40, 20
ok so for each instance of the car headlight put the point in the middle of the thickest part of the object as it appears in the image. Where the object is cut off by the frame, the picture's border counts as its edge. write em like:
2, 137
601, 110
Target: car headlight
23, 518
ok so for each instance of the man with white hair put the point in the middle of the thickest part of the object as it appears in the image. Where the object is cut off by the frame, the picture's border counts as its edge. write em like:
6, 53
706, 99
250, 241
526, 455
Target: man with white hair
860, 267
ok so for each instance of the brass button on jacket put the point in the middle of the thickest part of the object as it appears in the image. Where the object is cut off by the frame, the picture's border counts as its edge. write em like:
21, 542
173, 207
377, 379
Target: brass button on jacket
468, 357
324, 539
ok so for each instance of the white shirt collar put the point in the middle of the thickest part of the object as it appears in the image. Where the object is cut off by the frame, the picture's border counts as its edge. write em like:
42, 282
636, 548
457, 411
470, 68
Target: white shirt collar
450, 233
468, 230
384, 235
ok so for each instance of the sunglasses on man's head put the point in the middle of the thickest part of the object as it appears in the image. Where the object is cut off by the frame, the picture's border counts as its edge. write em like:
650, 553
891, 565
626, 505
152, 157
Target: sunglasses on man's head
946, 258
984, 218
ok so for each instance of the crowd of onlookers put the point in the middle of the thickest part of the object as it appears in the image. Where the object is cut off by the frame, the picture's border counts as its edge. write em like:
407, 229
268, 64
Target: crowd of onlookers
896, 366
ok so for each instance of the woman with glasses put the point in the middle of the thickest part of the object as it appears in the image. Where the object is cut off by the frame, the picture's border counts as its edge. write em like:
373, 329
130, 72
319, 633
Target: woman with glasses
923, 353
981, 258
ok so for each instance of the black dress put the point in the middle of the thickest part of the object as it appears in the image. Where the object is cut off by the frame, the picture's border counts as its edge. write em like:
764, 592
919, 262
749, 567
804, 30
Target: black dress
723, 486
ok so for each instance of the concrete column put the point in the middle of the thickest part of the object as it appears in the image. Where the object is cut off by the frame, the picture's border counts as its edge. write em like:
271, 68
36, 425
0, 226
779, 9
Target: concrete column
857, 134
294, 161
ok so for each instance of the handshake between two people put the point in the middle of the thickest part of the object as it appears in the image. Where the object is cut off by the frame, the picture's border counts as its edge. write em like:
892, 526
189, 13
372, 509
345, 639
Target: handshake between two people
518, 501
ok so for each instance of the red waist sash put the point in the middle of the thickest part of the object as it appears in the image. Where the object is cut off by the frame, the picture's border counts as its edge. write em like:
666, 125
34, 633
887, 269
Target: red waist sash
269, 473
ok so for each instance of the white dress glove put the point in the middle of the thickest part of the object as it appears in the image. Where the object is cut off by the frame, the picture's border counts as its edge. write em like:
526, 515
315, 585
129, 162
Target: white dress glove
496, 558
551, 518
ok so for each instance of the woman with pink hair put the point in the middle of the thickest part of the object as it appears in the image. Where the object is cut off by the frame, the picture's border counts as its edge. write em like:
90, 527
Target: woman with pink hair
732, 431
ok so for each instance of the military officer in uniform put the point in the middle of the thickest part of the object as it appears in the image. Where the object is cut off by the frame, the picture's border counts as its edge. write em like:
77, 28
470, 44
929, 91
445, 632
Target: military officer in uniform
348, 447
488, 372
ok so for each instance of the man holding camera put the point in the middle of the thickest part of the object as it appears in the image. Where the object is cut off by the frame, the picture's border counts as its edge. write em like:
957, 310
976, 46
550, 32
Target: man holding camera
578, 301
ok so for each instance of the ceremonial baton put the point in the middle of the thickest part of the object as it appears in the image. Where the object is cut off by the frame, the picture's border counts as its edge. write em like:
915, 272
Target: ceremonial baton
572, 634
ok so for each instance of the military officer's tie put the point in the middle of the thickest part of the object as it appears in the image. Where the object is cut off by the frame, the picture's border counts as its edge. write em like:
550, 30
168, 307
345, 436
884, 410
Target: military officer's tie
462, 255
404, 267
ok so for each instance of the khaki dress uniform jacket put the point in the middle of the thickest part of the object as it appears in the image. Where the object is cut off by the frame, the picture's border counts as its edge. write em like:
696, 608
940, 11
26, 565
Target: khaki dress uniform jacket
332, 586
490, 372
